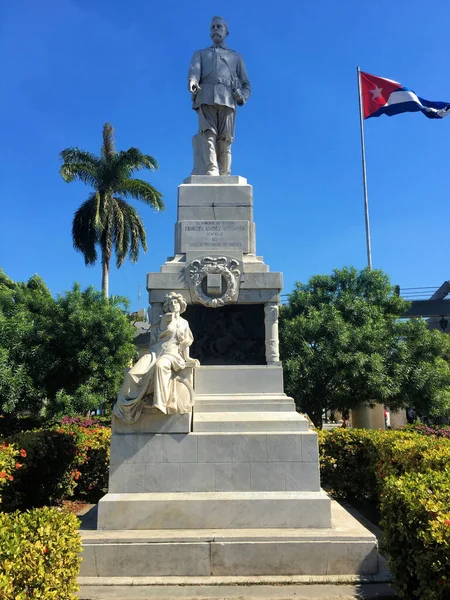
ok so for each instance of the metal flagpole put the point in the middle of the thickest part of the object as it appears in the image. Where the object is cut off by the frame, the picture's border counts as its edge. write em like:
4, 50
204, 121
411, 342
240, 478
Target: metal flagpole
363, 154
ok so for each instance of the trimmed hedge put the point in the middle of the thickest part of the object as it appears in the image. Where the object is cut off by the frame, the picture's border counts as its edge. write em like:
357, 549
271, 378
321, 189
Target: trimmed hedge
407, 475
354, 462
416, 526
39, 555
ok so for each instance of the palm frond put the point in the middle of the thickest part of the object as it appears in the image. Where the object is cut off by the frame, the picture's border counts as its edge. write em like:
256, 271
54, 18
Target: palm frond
143, 191
107, 235
75, 155
133, 234
79, 165
138, 237
84, 232
119, 300
121, 234
79, 172
108, 148
131, 160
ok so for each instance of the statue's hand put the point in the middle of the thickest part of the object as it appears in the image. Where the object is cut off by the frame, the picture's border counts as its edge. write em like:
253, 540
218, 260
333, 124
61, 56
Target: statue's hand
240, 100
193, 86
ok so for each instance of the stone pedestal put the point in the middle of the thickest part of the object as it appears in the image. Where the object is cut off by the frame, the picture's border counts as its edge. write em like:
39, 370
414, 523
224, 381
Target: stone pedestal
236, 490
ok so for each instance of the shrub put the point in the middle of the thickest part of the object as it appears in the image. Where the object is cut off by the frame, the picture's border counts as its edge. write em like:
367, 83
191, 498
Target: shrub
437, 430
416, 526
39, 555
408, 475
354, 462
10, 460
49, 471
94, 470
348, 459
70, 459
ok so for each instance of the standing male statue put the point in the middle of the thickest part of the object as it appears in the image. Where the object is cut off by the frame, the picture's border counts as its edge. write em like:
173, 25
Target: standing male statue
218, 81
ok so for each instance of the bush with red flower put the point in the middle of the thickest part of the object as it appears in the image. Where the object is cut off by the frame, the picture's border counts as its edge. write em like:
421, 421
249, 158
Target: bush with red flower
11, 459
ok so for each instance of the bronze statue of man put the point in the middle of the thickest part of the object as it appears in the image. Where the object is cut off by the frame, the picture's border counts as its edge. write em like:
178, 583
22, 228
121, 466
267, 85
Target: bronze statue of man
218, 82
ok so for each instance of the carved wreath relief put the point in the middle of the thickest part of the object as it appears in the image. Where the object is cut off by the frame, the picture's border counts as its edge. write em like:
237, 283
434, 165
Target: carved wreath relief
227, 268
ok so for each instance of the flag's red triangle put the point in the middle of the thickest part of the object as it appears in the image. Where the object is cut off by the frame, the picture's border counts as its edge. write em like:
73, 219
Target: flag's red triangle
376, 92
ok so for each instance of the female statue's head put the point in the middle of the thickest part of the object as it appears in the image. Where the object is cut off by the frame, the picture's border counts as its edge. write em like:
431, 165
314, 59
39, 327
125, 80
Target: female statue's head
174, 303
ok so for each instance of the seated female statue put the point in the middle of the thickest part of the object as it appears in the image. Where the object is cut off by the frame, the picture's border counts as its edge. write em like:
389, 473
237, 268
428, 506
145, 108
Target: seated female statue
151, 380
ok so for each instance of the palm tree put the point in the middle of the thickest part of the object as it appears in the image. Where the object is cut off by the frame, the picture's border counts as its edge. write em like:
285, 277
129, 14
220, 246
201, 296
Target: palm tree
106, 219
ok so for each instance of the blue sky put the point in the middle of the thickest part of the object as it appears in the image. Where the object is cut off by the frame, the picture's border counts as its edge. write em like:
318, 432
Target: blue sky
68, 66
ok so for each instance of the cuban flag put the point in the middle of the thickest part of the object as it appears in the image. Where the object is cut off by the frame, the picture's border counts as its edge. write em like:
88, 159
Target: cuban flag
386, 97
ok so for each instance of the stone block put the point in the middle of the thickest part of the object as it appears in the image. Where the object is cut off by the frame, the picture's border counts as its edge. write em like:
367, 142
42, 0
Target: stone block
212, 211
249, 421
244, 403
198, 477
166, 281
250, 448
266, 477
128, 448
154, 421
214, 448
242, 379
258, 296
310, 447
162, 477
285, 447
353, 557
261, 281
179, 448
219, 195
281, 558
127, 478
150, 559
217, 180
302, 476
214, 510
231, 477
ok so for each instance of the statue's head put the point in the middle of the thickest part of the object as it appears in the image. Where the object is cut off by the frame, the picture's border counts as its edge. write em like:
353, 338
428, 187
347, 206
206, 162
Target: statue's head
174, 303
218, 30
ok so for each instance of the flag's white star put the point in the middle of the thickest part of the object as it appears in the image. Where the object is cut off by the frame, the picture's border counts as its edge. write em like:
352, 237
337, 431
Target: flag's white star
376, 93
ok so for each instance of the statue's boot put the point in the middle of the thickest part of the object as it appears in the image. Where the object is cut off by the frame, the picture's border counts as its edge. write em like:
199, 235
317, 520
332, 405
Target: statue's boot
209, 153
224, 157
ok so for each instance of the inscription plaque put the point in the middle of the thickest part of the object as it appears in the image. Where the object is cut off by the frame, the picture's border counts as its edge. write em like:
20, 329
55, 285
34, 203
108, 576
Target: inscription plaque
214, 235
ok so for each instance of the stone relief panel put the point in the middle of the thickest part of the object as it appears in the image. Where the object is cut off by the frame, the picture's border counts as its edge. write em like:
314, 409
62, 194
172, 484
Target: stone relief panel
230, 335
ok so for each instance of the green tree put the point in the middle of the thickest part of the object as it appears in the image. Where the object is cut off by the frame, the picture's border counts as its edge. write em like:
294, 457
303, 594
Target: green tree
343, 344
61, 355
106, 219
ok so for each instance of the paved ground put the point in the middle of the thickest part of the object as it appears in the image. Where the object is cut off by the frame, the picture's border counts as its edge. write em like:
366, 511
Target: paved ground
239, 592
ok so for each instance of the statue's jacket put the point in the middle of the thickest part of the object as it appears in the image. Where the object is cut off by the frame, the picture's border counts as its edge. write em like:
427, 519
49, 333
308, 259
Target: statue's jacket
218, 71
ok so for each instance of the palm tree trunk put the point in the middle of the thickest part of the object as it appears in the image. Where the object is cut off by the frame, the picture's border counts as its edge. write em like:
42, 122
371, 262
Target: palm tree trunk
105, 277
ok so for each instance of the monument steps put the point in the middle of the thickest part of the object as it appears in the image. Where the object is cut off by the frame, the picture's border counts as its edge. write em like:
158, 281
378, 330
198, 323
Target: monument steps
344, 548
244, 403
214, 510
250, 421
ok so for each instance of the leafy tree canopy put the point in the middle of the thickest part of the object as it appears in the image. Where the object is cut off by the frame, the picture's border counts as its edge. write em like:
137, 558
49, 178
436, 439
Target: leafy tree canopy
61, 355
343, 344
